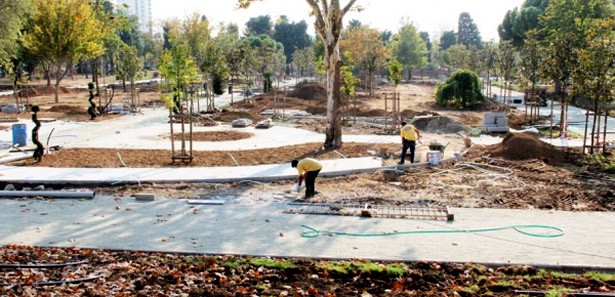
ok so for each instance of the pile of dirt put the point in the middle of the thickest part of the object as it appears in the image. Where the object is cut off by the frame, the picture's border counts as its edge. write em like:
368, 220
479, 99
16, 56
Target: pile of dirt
43, 90
439, 124
316, 110
372, 113
516, 120
215, 136
310, 91
229, 116
526, 146
68, 109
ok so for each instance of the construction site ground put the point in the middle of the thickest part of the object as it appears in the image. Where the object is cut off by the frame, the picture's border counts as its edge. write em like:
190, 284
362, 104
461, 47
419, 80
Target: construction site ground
518, 181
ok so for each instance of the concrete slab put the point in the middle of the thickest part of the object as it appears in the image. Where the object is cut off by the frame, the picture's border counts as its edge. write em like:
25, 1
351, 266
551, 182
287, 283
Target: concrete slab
262, 229
108, 176
150, 130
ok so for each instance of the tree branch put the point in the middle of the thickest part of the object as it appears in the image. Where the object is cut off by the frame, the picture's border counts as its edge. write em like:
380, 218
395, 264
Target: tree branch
348, 7
320, 21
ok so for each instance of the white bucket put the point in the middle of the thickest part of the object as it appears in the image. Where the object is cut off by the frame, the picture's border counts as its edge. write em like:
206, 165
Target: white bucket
433, 157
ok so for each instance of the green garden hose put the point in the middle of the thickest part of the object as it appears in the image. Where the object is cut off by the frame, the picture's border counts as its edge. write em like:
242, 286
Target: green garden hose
313, 232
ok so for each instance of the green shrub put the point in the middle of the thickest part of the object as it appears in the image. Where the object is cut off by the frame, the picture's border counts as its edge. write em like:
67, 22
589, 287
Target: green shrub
462, 89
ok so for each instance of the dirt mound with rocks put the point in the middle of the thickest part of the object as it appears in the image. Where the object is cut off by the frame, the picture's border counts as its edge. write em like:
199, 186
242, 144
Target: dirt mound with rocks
526, 146
439, 124
310, 91
215, 136
229, 116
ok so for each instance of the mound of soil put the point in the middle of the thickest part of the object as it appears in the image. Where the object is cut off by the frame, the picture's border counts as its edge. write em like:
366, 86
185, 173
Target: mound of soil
310, 91
516, 121
372, 113
215, 136
43, 90
229, 116
318, 110
438, 124
67, 109
525, 146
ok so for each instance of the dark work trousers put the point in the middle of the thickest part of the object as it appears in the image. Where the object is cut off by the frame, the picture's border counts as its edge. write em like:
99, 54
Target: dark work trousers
411, 144
310, 178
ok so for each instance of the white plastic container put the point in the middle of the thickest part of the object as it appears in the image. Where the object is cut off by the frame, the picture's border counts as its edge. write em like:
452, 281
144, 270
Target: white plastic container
434, 157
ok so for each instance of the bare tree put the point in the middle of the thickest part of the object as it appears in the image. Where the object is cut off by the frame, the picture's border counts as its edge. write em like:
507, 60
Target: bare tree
328, 22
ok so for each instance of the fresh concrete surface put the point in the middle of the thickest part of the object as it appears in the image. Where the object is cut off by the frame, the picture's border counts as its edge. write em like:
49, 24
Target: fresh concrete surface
243, 226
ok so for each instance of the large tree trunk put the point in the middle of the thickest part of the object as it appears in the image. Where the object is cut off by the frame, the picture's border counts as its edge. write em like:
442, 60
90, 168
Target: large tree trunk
563, 120
59, 76
329, 28
334, 102
95, 65
47, 71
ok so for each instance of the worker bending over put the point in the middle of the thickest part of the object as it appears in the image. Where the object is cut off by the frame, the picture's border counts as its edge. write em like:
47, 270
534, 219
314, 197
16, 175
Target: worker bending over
308, 169
409, 136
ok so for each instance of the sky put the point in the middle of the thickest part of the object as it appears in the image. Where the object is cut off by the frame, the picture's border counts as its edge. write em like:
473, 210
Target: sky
432, 16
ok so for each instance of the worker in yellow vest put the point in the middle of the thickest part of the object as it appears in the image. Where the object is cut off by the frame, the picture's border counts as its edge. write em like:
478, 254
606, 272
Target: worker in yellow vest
308, 169
409, 135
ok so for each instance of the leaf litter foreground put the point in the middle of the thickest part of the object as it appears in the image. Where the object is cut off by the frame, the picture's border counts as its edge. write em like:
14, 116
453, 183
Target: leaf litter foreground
134, 273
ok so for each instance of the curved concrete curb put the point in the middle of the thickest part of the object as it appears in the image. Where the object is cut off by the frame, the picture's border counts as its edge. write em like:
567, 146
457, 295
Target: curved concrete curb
124, 176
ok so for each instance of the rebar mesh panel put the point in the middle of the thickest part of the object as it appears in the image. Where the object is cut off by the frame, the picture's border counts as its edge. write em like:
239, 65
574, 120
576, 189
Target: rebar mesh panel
369, 210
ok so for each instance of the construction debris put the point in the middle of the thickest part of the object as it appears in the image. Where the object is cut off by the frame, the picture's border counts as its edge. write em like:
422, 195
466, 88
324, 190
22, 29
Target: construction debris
145, 197
264, 124
495, 122
241, 123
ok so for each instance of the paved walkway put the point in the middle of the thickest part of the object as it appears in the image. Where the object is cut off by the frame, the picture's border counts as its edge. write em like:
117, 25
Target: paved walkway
114, 176
263, 229
149, 130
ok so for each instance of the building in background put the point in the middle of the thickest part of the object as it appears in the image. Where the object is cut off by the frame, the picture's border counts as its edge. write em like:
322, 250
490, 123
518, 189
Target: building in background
141, 8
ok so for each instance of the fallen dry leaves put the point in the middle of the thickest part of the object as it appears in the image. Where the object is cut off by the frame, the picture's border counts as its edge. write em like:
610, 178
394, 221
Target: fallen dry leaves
125, 273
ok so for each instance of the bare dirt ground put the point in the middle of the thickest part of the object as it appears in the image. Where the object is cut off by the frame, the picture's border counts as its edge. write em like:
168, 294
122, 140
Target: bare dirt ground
521, 172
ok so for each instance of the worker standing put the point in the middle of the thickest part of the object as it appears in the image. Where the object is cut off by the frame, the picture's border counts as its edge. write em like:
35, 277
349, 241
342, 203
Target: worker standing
308, 169
409, 135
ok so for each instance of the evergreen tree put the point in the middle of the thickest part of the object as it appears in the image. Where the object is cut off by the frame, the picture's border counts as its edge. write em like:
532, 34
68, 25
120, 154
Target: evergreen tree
467, 31
518, 21
259, 25
448, 39
293, 36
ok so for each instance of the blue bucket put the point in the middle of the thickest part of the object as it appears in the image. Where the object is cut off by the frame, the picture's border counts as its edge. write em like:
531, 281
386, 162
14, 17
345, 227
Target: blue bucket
20, 136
